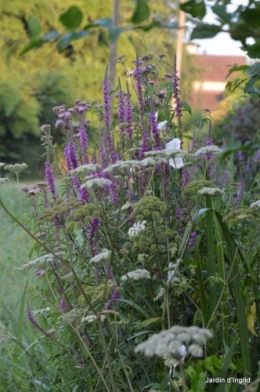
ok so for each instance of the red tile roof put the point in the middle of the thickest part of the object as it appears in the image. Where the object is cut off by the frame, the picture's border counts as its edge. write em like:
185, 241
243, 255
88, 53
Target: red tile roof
212, 68
215, 68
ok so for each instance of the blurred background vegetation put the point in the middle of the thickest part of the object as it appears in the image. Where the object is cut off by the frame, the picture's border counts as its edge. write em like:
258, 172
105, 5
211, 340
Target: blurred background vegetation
32, 84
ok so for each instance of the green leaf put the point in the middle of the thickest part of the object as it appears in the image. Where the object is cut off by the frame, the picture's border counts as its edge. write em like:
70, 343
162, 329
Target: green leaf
150, 26
72, 18
220, 11
204, 30
236, 68
21, 316
32, 45
67, 38
254, 50
252, 17
104, 22
186, 107
141, 12
196, 8
34, 30
51, 36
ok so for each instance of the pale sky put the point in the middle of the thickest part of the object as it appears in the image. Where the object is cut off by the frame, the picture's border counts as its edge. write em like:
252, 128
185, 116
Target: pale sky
221, 43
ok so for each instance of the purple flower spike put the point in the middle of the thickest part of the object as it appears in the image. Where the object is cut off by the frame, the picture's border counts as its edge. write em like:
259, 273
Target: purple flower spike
49, 175
70, 153
107, 103
121, 109
192, 240
83, 138
155, 131
129, 116
139, 93
176, 96
31, 317
63, 305
114, 298
145, 145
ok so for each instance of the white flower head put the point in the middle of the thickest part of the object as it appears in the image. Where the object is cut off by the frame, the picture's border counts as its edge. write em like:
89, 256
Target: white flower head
176, 162
17, 168
2, 165
104, 255
96, 182
256, 204
85, 169
208, 150
210, 191
169, 344
3, 180
136, 275
136, 229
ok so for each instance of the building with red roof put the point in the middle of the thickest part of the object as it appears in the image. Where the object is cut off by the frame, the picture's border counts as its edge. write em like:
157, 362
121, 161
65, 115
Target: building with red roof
208, 89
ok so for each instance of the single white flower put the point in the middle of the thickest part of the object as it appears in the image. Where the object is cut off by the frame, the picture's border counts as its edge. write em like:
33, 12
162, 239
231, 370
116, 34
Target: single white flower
162, 125
176, 162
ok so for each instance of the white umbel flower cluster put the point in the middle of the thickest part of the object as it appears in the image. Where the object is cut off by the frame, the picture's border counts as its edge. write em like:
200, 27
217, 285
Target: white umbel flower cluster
256, 204
210, 191
169, 344
208, 150
136, 229
91, 317
104, 255
40, 261
85, 169
136, 275
3, 180
17, 168
96, 182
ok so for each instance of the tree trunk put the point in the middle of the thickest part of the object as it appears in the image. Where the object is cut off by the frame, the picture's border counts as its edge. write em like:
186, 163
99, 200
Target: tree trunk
113, 46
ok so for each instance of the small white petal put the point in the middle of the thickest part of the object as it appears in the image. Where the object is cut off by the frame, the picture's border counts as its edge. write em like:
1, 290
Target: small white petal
162, 125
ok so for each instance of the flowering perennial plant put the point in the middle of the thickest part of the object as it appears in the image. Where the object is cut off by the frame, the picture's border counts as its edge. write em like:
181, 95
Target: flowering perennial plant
129, 256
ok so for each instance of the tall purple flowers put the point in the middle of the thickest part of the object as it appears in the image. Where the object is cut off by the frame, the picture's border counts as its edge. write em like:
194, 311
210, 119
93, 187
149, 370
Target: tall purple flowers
70, 153
155, 131
176, 97
83, 139
139, 93
49, 175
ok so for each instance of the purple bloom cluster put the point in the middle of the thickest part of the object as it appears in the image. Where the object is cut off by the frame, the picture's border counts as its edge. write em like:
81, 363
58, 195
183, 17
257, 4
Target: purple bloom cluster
49, 175
155, 131
121, 109
92, 230
192, 240
145, 145
70, 153
176, 95
63, 305
128, 115
114, 298
83, 138
139, 93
